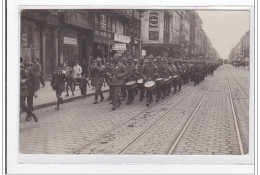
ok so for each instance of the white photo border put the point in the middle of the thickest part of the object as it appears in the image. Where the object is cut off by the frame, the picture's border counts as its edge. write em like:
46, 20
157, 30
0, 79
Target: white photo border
21, 163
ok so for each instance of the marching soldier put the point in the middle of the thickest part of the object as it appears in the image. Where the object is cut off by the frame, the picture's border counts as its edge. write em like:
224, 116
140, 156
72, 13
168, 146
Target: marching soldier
130, 68
165, 74
175, 77
160, 70
149, 73
116, 72
180, 73
99, 75
107, 79
186, 73
123, 88
170, 68
196, 71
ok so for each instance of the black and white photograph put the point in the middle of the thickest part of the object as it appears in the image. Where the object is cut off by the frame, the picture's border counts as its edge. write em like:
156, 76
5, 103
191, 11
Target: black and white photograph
134, 81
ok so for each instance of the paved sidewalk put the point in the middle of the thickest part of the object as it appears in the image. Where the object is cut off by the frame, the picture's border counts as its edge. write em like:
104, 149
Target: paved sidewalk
46, 96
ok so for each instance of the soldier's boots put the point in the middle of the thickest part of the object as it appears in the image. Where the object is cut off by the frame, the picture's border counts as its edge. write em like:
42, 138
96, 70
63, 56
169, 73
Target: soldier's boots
95, 100
102, 97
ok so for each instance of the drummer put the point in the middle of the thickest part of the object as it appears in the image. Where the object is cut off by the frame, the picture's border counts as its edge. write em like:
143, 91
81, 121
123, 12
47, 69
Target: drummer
140, 76
149, 73
175, 77
160, 71
130, 76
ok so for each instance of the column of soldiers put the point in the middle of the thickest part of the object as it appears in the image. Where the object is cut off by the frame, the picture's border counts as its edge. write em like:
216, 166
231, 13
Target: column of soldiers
152, 76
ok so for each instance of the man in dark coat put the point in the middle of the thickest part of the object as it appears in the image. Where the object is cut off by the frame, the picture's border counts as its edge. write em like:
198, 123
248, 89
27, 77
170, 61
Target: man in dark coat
116, 72
58, 84
99, 76
130, 68
27, 90
149, 72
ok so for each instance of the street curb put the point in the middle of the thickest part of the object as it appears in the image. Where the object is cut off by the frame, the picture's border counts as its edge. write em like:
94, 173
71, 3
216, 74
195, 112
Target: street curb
64, 100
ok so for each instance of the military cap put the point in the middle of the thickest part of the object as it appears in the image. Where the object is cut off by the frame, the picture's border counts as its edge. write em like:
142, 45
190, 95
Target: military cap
150, 57
135, 60
98, 59
28, 63
129, 59
155, 60
116, 56
158, 57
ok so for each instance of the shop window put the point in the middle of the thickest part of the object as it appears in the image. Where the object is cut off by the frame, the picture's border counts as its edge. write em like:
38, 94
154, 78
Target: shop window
153, 35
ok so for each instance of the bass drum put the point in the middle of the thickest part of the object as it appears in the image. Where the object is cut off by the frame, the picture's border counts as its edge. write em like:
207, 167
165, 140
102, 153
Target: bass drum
149, 85
131, 85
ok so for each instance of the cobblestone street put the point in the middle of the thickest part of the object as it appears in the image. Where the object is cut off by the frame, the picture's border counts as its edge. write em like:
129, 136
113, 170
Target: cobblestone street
81, 127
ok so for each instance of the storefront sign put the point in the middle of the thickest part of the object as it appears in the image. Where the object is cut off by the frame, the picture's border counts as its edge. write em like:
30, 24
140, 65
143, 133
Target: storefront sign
71, 41
119, 46
143, 52
153, 20
122, 38
24, 40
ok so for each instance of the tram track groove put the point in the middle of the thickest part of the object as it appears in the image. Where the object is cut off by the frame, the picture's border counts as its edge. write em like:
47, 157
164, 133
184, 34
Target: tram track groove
149, 128
174, 144
240, 137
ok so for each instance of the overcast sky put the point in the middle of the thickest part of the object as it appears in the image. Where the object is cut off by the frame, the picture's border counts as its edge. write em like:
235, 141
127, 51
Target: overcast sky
224, 28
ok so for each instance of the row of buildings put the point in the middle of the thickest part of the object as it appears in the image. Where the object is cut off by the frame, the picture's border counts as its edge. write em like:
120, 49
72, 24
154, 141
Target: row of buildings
241, 51
63, 36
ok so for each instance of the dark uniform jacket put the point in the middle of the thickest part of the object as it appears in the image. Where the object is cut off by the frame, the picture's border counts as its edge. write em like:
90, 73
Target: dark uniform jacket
98, 75
149, 71
130, 76
160, 69
58, 81
116, 73
27, 82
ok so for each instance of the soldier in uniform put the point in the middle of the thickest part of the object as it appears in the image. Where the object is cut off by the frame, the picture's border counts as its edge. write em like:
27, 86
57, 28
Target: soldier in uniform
99, 75
180, 73
175, 77
107, 79
130, 76
165, 74
186, 73
196, 71
123, 88
139, 69
135, 63
160, 70
149, 73
116, 72
58, 84
170, 68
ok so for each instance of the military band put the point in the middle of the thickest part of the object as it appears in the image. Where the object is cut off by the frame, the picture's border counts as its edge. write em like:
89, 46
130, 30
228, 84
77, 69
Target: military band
128, 77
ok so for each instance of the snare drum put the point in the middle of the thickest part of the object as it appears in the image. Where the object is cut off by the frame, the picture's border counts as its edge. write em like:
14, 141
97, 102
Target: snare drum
131, 85
149, 85
140, 83
159, 81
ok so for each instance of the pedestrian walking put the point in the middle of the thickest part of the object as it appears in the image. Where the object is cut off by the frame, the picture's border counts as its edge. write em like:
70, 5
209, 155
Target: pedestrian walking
27, 90
116, 72
58, 84
70, 83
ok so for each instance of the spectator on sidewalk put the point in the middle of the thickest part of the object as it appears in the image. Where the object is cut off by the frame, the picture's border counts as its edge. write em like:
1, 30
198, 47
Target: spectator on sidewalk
27, 89
41, 74
58, 84
36, 69
77, 71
